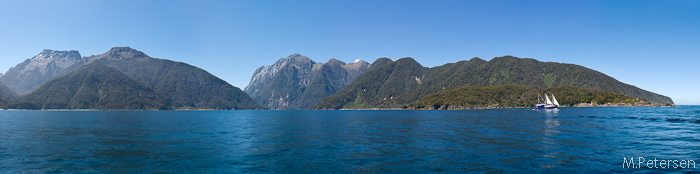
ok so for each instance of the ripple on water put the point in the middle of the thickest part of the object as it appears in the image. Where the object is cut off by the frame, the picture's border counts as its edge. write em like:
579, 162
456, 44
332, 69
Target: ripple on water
569, 140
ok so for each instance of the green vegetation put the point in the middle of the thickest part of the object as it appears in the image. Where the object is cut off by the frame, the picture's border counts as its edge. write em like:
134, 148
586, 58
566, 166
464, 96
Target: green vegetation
6, 95
172, 85
186, 86
511, 95
397, 80
93, 86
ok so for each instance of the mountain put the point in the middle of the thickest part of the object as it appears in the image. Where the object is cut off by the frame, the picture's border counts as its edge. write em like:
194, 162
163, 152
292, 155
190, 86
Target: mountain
32, 73
329, 79
512, 95
187, 86
297, 82
405, 81
6, 95
93, 86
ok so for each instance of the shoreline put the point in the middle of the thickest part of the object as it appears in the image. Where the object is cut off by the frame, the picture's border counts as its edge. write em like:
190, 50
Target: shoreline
494, 106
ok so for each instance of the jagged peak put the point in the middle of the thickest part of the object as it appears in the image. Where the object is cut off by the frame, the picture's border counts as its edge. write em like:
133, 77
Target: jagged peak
52, 54
122, 49
334, 61
296, 59
299, 58
125, 53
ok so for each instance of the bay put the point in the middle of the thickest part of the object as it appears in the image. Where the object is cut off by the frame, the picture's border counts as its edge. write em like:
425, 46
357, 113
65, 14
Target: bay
566, 140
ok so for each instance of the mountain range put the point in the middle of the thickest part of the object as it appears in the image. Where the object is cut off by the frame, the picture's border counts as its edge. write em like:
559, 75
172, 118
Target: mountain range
93, 86
404, 81
183, 85
297, 82
127, 79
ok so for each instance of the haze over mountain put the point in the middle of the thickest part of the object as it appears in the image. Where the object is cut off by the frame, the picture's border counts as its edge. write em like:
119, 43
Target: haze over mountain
297, 82
405, 81
93, 86
32, 73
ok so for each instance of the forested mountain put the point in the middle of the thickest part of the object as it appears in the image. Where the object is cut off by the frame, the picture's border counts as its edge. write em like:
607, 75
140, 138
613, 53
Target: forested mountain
405, 81
187, 87
32, 73
512, 95
6, 95
297, 82
93, 86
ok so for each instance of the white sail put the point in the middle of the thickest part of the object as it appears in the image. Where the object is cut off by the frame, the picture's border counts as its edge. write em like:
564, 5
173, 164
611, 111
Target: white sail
549, 102
555, 100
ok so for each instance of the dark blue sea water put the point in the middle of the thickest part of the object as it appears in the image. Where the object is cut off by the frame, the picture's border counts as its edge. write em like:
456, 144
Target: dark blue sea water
567, 140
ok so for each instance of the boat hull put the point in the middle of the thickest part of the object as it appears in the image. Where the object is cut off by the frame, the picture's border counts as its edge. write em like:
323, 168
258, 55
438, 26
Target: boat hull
545, 106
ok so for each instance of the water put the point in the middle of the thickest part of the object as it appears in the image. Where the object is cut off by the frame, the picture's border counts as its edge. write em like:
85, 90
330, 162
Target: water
568, 140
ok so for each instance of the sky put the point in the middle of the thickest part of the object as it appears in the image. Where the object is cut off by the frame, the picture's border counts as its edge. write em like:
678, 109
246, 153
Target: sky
651, 44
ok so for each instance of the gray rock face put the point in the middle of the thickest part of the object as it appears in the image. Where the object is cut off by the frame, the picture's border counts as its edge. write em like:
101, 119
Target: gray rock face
263, 75
297, 82
33, 72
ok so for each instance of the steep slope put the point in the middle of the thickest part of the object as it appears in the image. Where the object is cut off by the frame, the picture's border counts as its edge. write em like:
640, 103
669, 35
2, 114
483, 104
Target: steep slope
475, 72
188, 87
512, 95
329, 79
264, 75
297, 82
6, 95
94, 86
384, 86
32, 73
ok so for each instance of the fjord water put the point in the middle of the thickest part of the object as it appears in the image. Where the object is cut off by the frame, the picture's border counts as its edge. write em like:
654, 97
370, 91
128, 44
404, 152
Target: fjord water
567, 140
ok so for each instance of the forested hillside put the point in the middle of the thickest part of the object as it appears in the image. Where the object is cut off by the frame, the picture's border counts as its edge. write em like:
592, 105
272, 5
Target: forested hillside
517, 96
94, 86
405, 81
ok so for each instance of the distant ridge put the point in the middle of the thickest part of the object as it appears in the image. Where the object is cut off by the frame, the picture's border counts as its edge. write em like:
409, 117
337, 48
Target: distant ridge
405, 81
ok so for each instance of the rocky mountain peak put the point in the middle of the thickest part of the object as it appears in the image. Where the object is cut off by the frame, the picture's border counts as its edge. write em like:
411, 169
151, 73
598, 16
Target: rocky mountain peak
125, 53
298, 59
49, 55
26, 76
335, 62
50, 59
358, 65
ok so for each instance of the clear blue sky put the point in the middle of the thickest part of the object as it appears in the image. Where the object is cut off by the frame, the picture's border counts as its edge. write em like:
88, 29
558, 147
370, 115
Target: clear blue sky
654, 45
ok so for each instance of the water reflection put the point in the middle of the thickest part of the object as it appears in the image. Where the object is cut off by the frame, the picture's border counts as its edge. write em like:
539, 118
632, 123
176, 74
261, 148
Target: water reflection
551, 147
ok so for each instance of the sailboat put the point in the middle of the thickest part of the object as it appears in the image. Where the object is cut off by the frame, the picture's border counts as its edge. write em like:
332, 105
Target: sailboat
548, 103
